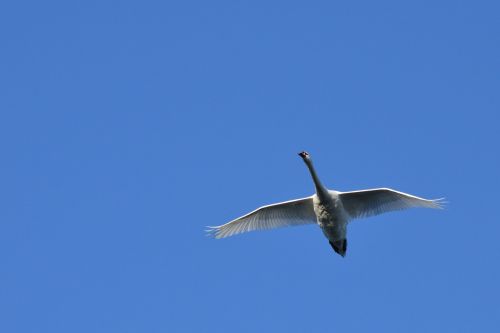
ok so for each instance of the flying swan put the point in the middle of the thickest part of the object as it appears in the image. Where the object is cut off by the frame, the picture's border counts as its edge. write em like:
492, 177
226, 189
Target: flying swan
331, 210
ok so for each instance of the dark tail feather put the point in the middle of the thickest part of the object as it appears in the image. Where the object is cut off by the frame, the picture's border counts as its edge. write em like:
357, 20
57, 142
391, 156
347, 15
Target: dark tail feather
340, 246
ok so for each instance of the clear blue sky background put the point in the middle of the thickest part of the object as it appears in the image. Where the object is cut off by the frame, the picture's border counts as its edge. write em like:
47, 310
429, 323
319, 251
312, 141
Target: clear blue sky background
127, 127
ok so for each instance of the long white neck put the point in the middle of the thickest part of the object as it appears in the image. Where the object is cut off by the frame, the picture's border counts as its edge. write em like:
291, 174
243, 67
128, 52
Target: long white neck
321, 191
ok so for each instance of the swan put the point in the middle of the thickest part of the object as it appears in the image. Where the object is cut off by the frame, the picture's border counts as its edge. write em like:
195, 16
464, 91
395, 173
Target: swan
331, 210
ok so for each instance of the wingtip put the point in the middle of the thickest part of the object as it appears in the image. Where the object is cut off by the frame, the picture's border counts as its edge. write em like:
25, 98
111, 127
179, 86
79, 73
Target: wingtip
440, 203
211, 232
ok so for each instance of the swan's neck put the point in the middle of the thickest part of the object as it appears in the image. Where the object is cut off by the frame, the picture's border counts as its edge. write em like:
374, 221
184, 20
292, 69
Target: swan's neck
321, 191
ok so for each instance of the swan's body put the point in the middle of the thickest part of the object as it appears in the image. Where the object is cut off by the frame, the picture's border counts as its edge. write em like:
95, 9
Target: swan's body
331, 210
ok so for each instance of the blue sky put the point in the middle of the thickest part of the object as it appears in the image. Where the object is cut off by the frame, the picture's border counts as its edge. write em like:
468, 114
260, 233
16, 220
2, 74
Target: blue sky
127, 127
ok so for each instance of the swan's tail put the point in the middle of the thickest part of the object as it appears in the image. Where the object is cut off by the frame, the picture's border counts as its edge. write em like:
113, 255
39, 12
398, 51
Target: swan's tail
339, 246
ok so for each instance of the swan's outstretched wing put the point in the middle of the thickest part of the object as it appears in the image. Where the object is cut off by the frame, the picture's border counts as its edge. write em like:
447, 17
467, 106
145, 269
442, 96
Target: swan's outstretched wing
380, 200
283, 214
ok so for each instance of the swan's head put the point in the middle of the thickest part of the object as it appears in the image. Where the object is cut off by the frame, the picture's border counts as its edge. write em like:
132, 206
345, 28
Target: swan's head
305, 156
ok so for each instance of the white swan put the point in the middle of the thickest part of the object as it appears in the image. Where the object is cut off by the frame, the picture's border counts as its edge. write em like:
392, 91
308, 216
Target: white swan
331, 210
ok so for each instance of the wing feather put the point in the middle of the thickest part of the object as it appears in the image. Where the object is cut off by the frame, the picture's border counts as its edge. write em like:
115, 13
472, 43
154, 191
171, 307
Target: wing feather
283, 214
380, 200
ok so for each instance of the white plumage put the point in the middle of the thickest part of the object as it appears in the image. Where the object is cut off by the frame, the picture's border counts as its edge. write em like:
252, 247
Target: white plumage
283, 214
331, 210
